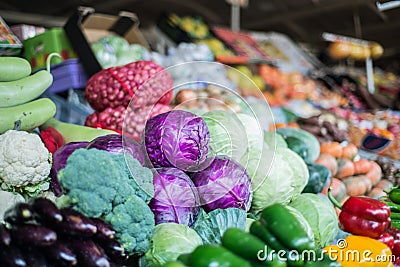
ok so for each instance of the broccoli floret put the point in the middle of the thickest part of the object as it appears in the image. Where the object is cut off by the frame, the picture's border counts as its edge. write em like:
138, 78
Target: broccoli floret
133, 222
140, 179
100, 185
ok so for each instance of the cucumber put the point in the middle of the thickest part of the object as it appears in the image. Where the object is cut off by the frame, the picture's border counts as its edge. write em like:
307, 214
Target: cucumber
75, 133
24, 90
14, 68
31, 115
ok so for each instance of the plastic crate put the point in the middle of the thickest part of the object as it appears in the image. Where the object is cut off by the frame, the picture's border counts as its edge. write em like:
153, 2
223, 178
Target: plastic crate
69, 74
37, 49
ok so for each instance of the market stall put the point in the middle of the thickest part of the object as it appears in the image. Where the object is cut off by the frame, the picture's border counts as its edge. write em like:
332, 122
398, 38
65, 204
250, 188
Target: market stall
193, 144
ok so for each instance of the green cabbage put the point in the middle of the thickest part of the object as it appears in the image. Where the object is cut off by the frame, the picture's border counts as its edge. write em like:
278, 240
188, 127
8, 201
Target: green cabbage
280, 178
253, 141
321, 216
303, 221
212, 226
227, 135
169, 241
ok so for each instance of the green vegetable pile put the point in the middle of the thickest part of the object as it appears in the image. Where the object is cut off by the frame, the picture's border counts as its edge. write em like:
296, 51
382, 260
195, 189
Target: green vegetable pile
97, 186
272, 239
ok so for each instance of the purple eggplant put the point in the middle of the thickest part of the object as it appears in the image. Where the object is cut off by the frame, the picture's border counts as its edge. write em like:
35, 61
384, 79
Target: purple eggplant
115, 251
33, 235
5, 237
89, 254
46, 209
19, 213
34, 258
104, 230
12, 256
61, 254
75, 223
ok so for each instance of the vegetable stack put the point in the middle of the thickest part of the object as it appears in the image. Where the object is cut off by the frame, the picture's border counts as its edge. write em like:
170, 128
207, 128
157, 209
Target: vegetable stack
19, 106
276, 239
37, 233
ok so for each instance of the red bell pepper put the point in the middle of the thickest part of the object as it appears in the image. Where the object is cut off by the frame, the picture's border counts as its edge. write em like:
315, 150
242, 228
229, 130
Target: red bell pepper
363, 216
387, 239
52, 139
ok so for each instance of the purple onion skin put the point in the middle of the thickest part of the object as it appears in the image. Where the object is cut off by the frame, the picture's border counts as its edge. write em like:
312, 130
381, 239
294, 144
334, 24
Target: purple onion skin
114, 143
223, 184
60, 161
177, 139
176, 198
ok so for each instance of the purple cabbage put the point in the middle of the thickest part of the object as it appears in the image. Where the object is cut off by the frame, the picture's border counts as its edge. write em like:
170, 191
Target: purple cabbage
59, 159
177, 139
118, 144
175, 197
223, 184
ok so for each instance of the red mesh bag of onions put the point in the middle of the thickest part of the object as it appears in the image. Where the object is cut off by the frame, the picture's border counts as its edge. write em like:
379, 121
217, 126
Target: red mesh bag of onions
111, 90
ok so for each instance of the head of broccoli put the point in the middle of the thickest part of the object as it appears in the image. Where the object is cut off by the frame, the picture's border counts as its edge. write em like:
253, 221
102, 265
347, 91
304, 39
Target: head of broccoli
104, 185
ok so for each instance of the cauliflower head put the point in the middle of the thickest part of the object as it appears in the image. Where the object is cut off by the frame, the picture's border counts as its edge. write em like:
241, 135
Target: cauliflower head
24, 160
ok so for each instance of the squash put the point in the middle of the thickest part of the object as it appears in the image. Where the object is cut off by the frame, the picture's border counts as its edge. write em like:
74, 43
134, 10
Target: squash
338, 189
357, 185
361, 166
384, 184
345, 168
328, 161
350, 151
303, 143
333, 148
319, 178
375, 173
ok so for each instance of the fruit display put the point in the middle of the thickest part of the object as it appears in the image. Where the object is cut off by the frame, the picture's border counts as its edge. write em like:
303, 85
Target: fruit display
345, 49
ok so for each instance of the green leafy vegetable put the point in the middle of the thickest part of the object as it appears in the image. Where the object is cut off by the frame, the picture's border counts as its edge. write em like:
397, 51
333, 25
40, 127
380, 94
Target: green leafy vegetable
169, 241
213, 225
279, 180
227, 135
321, 216
97, 184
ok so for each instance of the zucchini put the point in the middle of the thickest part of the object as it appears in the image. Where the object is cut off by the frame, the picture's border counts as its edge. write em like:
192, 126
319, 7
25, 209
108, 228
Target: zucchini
30, 115
301, 142
14, 68
24, 90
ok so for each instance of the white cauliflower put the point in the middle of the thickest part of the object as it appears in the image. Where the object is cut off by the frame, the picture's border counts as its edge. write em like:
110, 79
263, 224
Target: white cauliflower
24, 160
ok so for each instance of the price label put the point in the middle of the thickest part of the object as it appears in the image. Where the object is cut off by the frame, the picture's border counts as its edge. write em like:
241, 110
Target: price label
374, 143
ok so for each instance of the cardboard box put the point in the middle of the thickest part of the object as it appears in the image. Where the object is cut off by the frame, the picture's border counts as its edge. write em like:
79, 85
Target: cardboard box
10, 45
85, 27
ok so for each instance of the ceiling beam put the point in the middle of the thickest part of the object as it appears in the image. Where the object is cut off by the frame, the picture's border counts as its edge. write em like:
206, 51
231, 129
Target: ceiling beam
33, 19
304, 12
207, 12
371, 29
380, 14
